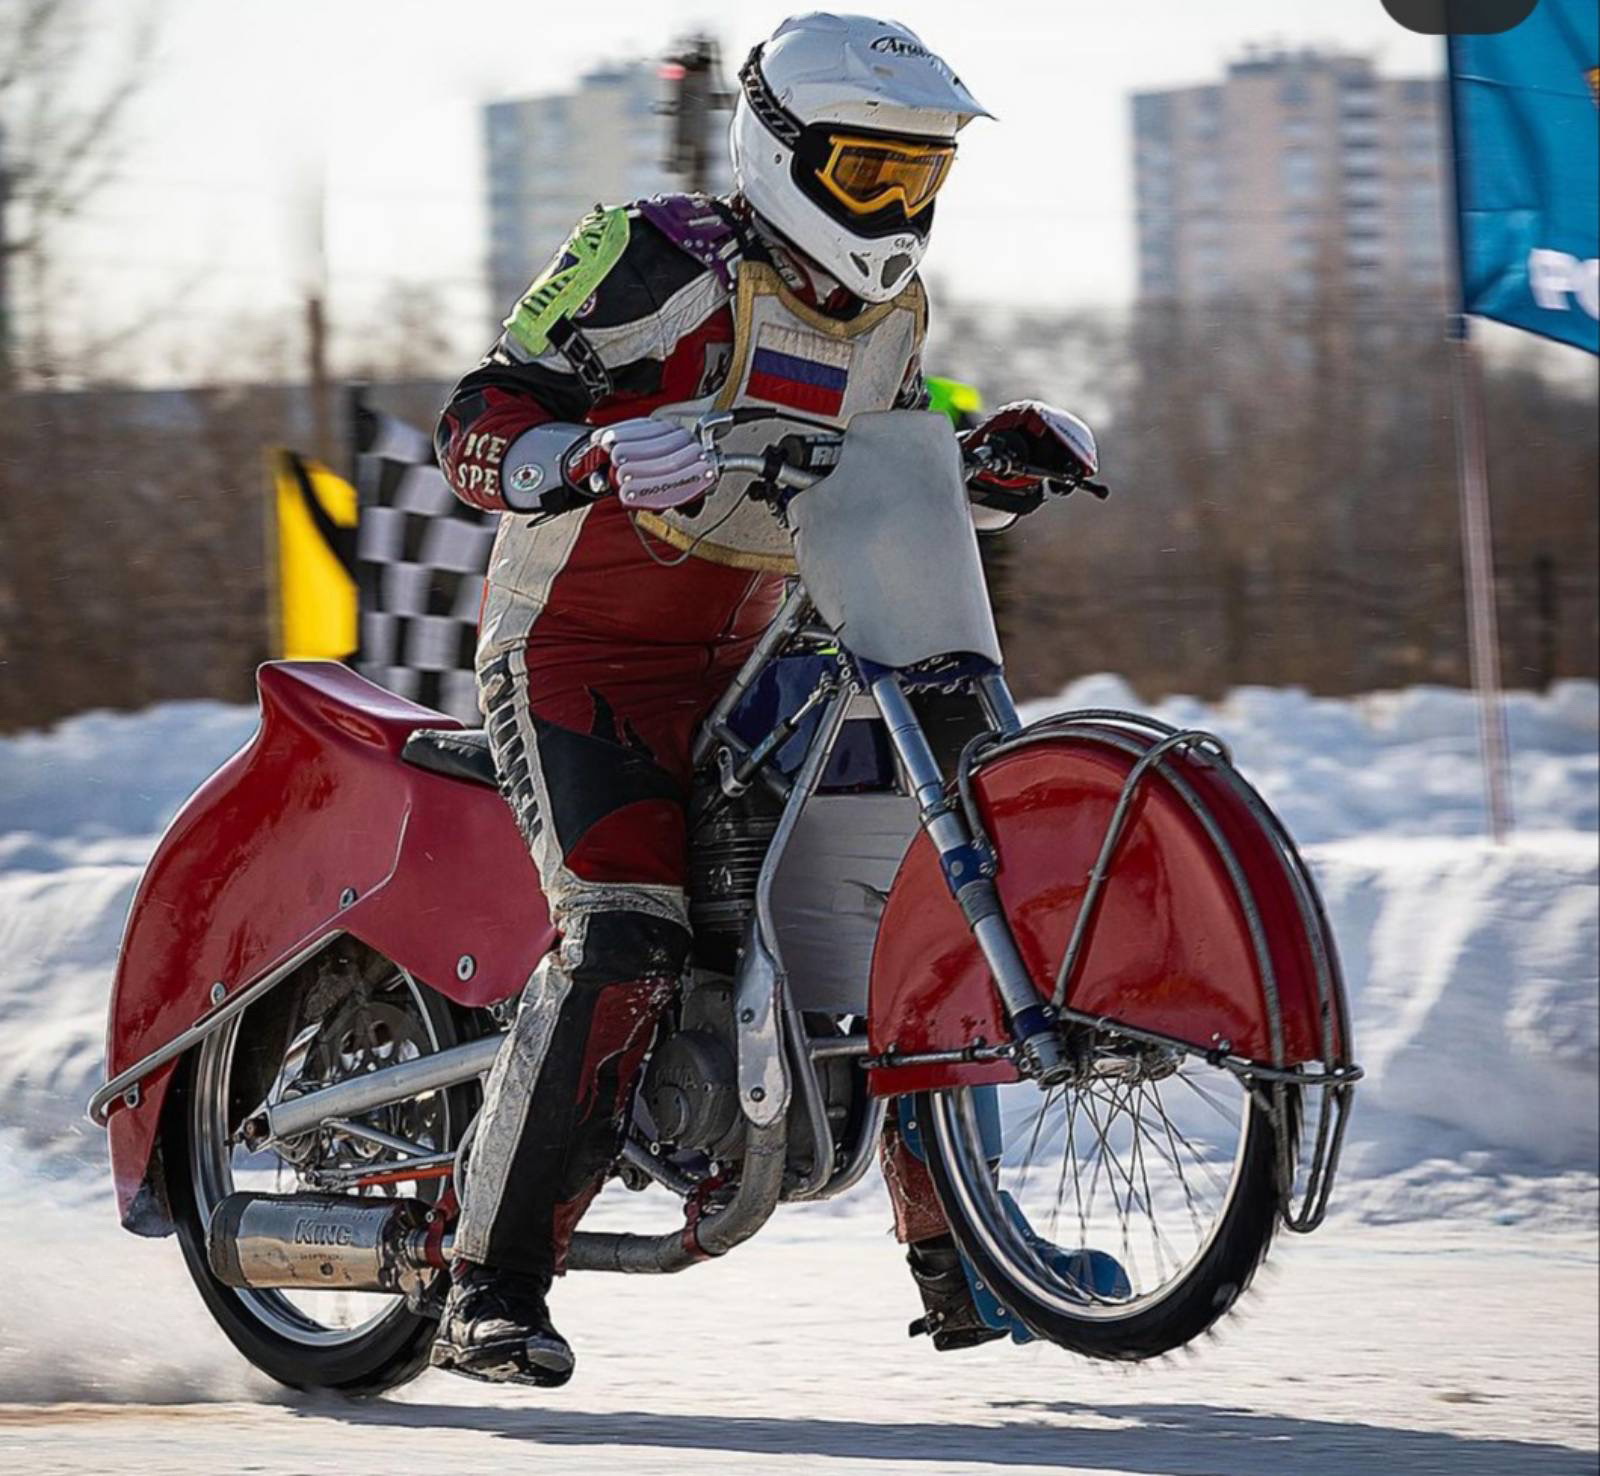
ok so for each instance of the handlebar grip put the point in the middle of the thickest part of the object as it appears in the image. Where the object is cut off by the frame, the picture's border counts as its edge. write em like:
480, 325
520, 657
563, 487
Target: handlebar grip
793, 477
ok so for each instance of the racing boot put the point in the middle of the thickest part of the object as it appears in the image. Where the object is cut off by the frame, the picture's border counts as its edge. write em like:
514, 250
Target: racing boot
950, 1315
497, 1328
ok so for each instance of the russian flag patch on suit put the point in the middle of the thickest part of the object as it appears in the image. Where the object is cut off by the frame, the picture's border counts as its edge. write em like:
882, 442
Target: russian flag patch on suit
801, 371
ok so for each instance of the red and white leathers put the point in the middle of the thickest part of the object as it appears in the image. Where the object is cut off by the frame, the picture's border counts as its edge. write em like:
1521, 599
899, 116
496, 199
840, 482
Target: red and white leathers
605, 637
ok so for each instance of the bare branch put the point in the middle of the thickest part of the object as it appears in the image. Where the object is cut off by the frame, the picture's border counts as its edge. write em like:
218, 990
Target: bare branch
58, 153
39, 18
64, 195
94, 350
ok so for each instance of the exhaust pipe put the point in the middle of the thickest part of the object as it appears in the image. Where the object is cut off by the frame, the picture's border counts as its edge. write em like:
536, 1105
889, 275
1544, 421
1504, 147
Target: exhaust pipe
760, 1187
338, 1242
333, 1242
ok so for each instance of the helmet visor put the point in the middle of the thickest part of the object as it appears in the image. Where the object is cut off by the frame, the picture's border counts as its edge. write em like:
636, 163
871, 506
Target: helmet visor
866, 174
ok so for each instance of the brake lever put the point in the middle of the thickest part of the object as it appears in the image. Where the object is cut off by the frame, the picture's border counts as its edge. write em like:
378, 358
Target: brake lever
712, 425
987, 458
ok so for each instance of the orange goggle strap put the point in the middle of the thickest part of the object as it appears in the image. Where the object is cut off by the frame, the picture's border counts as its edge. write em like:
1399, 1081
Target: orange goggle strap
884, 172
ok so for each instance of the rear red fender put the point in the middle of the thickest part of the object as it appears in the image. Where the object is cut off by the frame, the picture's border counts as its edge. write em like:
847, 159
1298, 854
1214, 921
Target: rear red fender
1208, 929
316, 808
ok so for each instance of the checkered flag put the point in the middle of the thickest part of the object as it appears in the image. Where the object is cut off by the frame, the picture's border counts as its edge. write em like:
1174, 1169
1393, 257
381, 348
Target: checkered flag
421, 555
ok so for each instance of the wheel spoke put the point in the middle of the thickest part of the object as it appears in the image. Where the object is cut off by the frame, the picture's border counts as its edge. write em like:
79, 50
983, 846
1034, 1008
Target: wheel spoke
1033, 1141
1177, 1163
1144, 1178
1125, 1215
1099, 1152
1200, 1159
1159, 1237
1220, 1108
1123, 1157
1128, 1096
1070, 1155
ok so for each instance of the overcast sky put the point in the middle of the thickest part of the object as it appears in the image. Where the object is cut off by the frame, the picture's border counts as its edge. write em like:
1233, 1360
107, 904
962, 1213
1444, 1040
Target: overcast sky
250, 104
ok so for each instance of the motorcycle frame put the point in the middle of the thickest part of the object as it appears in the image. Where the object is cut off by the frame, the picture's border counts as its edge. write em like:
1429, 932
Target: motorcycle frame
761, 965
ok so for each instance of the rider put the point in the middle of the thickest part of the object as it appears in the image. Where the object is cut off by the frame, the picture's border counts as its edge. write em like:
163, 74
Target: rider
627, 585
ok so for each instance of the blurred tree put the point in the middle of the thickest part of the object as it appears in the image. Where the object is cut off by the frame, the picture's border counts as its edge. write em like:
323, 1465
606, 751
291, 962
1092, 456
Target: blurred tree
409, 335
60, 131
1284, 508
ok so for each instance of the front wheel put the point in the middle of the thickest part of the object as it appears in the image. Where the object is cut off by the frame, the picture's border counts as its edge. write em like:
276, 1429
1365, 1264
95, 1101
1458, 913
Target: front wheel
1121, 1215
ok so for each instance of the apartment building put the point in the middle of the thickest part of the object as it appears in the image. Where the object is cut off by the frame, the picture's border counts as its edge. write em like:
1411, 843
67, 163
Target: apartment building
1303, 175
552, 158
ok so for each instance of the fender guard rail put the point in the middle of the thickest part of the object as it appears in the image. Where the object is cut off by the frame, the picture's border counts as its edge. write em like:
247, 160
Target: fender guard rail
123, 1089
1157, 742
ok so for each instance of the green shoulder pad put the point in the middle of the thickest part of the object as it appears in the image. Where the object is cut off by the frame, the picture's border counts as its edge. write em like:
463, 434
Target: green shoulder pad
571, 278
952, 398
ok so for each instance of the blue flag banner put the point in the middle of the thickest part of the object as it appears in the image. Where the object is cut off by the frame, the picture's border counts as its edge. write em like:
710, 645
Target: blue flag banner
1527, 142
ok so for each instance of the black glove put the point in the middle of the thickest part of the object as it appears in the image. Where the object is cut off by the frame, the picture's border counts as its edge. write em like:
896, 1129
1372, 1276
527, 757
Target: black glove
1027, 450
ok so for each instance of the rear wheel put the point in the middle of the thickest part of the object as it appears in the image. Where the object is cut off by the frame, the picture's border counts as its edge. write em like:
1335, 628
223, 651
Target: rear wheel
369, 1014
1118, 1216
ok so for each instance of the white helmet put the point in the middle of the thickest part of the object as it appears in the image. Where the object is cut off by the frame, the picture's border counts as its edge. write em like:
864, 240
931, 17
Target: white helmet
844, 130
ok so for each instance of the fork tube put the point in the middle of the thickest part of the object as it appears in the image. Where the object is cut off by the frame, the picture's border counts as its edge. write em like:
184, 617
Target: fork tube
968, 874
998, 704
783, 626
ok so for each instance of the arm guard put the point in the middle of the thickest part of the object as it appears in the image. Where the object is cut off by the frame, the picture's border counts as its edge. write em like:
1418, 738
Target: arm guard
536, 470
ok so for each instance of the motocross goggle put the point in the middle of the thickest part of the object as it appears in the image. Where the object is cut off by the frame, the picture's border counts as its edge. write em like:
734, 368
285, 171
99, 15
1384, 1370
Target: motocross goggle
866, 174
873, 184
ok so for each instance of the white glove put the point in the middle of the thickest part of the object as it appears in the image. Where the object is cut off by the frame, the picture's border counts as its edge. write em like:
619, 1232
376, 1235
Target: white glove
655, 464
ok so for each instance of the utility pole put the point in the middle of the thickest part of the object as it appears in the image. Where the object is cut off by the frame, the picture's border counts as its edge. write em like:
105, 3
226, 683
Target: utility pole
308, 222
1472, 488
5, 274
317, 379
695, 91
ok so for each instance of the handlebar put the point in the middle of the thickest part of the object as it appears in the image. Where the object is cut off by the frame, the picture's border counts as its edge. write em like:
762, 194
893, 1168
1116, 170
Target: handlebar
774, 468
770, 465
769, 468
794, 477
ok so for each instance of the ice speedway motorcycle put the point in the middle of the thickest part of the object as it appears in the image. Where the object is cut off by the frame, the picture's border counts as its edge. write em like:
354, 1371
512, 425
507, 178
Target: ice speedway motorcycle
1087, 970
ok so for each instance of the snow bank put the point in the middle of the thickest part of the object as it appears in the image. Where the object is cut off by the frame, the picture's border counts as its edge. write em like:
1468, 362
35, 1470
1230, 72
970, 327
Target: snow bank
1472, 968
81, 808
1389, 763
108, 775
1472, 974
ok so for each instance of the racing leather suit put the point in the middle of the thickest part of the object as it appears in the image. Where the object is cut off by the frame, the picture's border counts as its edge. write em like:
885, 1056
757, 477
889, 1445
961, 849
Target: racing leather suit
606, 636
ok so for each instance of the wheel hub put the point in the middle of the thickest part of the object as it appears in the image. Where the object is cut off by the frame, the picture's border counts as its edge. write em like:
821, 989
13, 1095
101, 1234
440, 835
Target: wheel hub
366, 1035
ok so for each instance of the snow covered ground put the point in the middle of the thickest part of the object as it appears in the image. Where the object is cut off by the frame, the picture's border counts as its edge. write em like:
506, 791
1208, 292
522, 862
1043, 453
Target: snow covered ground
1445, 1320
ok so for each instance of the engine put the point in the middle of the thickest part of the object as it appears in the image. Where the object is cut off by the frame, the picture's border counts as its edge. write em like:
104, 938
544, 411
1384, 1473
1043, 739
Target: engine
690, 1087
727, 843
692, 1095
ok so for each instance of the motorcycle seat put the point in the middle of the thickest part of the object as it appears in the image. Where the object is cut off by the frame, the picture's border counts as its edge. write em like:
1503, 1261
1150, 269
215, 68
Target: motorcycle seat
457, 753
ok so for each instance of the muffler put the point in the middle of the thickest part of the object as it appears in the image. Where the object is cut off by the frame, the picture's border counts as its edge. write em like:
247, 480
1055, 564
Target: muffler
333, 1242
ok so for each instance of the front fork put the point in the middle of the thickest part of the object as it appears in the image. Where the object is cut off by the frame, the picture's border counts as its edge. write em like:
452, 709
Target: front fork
969, 866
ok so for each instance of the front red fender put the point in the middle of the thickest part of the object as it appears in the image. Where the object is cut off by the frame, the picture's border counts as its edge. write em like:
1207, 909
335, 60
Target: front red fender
1208, 929
256, 867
